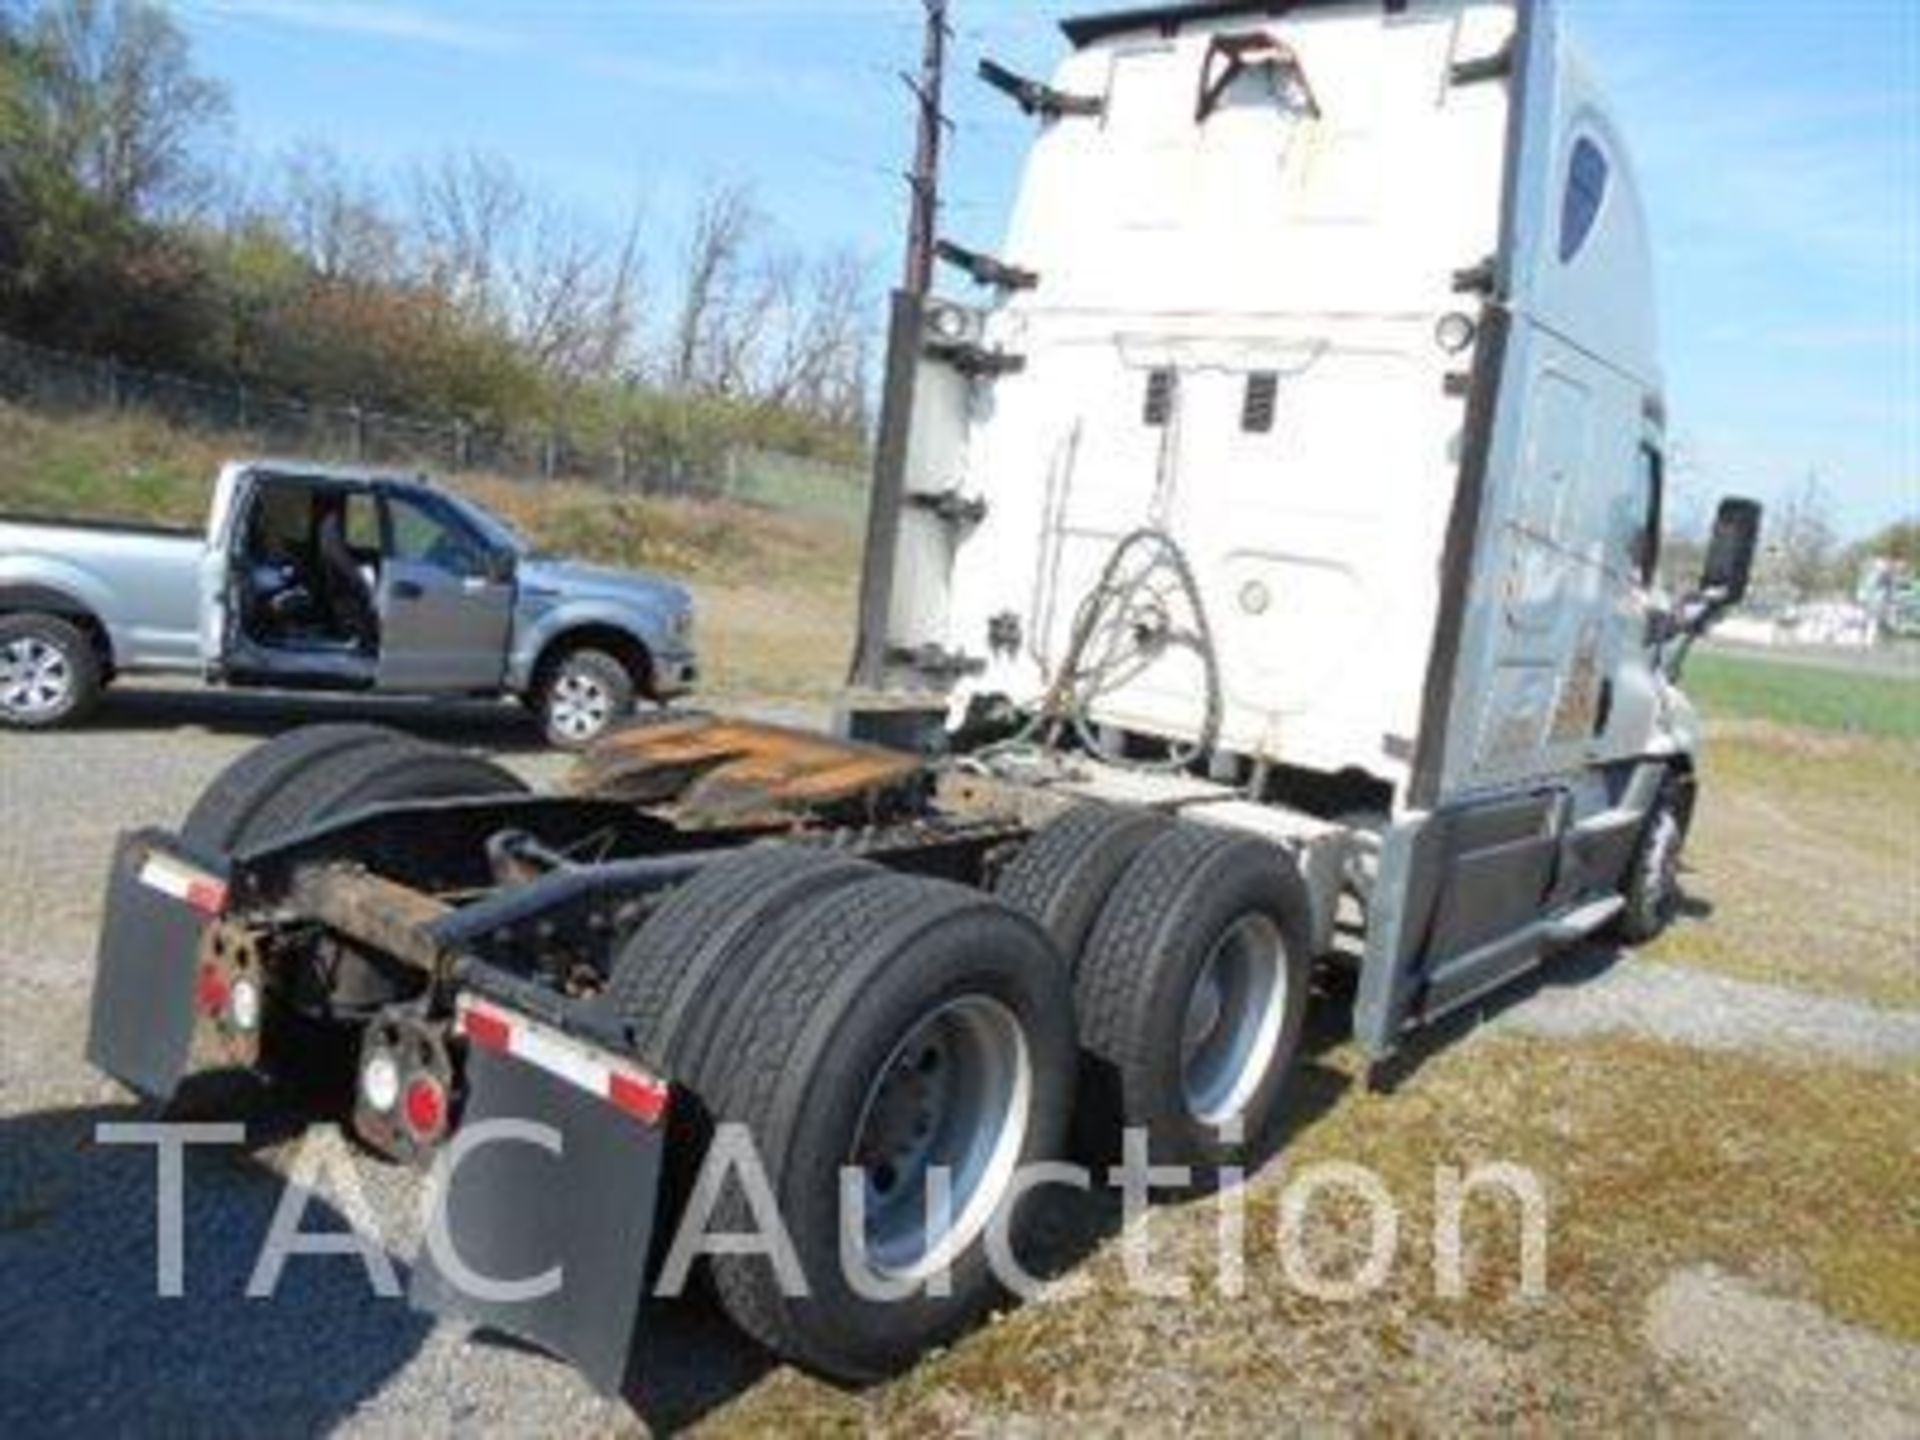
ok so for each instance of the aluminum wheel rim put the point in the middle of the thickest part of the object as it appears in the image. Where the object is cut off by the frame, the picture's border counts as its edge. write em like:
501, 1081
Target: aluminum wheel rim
1234, 1014
581, 706
36, 678
954, 1093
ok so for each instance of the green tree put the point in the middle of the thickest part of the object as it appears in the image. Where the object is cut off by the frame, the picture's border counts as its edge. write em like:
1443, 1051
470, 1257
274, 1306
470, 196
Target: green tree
104, 115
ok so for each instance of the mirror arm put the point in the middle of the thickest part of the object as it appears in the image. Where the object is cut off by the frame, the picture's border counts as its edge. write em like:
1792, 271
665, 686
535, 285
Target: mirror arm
1698, 614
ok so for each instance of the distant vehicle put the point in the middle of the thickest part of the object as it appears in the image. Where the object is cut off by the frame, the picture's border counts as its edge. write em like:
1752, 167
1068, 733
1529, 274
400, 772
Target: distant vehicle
1262, 578
313, 577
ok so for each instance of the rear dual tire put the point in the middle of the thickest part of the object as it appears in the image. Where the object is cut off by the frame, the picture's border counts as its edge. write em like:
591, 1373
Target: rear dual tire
301, 779
1190, 976
849, 1017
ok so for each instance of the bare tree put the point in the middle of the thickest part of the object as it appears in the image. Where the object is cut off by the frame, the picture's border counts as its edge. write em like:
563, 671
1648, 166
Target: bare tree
819, 367
575, 299
1805, 541
336, 220
504, 257
120, 105
706, 344
468, 211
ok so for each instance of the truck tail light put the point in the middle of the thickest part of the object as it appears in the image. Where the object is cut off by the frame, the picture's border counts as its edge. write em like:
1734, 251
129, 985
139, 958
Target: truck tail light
211, 991
425, 1110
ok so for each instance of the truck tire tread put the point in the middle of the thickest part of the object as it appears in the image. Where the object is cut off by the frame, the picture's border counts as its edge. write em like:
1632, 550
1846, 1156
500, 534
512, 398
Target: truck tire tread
394, 768
673, 971
1156, 915
1065, 873
787, 1027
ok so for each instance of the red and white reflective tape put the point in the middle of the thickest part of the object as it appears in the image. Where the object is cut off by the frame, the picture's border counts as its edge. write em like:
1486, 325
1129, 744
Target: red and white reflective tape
205, 893
621, 1084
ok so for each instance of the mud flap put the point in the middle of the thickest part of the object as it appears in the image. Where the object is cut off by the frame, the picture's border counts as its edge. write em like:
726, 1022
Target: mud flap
157, 906
546, 1195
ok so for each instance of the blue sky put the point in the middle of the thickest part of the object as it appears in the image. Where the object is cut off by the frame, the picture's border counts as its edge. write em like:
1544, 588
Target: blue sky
1778, 142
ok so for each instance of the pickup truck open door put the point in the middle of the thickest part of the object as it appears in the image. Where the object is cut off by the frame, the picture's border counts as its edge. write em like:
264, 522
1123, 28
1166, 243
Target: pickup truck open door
445, 599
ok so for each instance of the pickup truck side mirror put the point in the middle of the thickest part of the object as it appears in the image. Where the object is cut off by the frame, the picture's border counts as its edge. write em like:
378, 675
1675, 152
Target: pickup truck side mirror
1730, 551
500, 566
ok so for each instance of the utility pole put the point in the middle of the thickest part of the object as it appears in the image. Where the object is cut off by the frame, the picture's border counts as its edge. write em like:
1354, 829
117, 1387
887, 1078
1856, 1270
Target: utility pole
923, 224
905, 327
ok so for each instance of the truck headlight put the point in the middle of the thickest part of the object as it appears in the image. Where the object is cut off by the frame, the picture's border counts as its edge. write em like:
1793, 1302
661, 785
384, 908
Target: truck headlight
681, 626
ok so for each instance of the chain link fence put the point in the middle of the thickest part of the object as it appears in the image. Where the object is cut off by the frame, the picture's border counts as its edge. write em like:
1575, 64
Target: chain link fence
262, 422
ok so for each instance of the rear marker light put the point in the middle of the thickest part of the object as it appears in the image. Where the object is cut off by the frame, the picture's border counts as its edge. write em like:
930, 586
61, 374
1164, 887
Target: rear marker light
624, 1086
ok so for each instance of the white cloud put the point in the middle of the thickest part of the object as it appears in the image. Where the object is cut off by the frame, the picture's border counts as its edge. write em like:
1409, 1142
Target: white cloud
370, 20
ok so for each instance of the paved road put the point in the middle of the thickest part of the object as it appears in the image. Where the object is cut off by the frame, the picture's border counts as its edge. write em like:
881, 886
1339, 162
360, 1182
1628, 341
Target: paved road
85, 1344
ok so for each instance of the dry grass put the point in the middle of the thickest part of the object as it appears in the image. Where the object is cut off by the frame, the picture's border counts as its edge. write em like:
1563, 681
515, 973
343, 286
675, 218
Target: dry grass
1653, 1159
1807, 850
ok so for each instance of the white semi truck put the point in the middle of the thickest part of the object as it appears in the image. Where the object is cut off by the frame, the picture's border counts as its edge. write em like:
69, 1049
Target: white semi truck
1260, 578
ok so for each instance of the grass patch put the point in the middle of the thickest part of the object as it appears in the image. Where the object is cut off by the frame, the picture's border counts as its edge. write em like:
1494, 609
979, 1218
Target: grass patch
1654, 1159
1804, 863
1812, 696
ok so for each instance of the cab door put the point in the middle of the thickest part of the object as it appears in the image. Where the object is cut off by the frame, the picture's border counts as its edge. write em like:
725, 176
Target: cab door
445, 599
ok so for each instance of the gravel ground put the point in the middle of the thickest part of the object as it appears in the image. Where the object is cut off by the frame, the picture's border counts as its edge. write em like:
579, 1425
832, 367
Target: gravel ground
1782, 1366
87, 1345
1714, 1012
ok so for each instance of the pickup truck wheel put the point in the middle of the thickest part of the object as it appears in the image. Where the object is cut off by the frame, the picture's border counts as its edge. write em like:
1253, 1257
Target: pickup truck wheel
582, 695
896, 1025
1065, 873
50, 674
1191, 997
